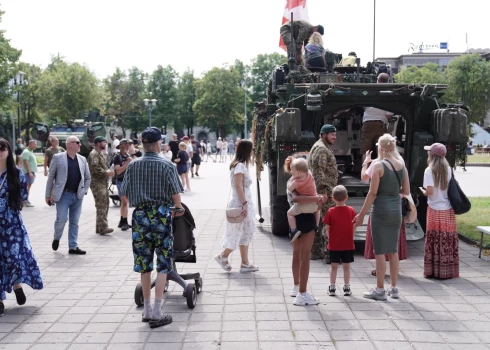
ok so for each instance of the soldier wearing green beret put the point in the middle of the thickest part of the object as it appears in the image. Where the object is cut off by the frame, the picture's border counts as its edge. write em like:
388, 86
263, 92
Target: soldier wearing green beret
323, 167
100, 174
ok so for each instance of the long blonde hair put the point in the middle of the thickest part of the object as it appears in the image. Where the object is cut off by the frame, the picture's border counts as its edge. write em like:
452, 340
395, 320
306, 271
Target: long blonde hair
440, 168
387, 144
316, 39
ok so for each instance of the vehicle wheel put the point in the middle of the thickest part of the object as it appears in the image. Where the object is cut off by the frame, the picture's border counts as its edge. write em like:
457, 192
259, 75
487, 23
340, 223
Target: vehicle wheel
116, 202
166, 287
138, 295
199, 285
191, 295
278, 204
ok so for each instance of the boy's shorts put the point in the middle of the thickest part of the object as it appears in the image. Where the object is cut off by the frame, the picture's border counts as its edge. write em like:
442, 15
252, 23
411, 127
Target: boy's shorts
152, 234
309, 208
28, 178
344, 256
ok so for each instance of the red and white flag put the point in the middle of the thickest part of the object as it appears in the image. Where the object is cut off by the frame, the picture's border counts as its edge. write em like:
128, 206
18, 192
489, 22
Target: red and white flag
299, 10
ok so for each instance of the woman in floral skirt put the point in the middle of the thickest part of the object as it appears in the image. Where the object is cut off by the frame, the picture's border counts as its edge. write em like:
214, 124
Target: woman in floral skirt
17, 262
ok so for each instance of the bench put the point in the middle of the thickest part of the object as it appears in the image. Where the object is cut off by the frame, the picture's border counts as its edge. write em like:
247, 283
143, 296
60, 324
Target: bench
482, 229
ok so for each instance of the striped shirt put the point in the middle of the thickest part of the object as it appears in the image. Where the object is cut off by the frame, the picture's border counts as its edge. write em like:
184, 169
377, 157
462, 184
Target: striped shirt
150, 180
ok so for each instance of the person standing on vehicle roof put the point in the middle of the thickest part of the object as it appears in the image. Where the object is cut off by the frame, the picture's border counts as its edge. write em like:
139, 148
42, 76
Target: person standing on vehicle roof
121, 162
152, 186
374, 123
100, 174
323, 167
302, 32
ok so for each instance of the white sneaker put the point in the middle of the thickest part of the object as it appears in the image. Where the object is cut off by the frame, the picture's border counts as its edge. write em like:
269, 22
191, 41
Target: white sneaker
305, 299
393, 292
295, 291
375, 294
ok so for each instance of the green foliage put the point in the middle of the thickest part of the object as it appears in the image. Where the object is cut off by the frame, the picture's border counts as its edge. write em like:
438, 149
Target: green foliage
468, 78
186, 97
162, 86
68, 89
261, 72
219, 99
9, 57
29, 96
430, 73
477, 216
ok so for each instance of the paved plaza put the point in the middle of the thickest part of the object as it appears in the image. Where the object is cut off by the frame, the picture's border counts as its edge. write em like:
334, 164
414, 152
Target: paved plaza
88, 301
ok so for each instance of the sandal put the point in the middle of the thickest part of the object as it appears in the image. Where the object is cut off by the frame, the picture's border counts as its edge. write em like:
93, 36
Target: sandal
248, 268
166, 319
223, 262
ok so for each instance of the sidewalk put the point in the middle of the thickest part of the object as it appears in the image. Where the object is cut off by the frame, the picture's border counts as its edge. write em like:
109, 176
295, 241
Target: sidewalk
88, 301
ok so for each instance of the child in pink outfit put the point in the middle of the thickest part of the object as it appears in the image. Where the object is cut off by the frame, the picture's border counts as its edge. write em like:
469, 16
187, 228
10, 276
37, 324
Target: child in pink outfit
303, 183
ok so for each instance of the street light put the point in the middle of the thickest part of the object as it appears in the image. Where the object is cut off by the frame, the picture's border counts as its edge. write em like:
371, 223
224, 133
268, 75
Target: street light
245, 105
150, 106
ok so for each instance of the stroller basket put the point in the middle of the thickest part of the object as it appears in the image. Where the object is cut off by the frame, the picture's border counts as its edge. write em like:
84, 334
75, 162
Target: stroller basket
184, 251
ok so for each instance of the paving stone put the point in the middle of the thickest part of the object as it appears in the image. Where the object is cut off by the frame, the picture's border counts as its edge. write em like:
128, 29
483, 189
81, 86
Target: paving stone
348, 334
392, 345
354, 345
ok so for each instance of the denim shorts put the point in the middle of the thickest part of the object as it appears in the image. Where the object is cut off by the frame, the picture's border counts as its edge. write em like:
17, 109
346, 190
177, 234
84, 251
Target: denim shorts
28, 179
152, 234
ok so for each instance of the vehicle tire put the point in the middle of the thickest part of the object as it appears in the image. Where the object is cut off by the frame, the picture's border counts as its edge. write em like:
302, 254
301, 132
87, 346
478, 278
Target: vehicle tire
138, 295
278, 204
191, 295
199, 285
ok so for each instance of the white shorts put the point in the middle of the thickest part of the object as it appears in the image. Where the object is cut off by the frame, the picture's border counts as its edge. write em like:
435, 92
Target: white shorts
297, 209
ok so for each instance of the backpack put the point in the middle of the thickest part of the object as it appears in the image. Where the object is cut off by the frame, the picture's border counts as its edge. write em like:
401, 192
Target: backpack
457, 198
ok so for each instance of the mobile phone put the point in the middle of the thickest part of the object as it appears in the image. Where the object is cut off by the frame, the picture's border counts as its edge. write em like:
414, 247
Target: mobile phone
177, 210
423, 189
51, 202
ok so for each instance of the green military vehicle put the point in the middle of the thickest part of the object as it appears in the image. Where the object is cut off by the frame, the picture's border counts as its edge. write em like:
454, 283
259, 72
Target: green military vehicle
299, 102
85, 129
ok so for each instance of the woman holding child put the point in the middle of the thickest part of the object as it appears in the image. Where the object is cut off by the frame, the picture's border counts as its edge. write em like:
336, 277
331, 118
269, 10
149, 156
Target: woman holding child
389, 179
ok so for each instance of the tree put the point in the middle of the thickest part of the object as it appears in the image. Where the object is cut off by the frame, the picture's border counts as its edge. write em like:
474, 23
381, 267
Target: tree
219, 100
245, 81
261, 71
468, 79
9, 57
430, 73
162, 86
29, 93
68, 89
186, 97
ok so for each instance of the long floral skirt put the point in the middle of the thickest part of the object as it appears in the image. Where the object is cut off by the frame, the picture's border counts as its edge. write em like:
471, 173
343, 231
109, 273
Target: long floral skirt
402, 243
441, 254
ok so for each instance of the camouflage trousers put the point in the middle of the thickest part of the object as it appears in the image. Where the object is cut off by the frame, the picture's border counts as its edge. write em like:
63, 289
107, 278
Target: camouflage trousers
101, 197
321, 240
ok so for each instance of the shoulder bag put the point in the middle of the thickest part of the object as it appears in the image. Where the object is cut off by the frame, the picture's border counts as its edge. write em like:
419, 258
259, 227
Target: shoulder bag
457, 198
234, 215
404, 202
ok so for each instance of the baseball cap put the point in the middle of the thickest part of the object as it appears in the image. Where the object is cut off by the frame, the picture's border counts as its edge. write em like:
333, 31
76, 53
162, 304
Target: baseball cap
151, 135
437, 148
185, 138
123, 142
327, 128
100, 139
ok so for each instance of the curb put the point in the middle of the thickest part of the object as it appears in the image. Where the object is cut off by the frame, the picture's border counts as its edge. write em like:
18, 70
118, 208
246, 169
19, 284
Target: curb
484, 165
470, 241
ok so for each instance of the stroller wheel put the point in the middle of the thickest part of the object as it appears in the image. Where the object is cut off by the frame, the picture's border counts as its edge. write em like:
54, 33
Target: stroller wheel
166, 287
116, 202
191, 295
138, 295
199, 285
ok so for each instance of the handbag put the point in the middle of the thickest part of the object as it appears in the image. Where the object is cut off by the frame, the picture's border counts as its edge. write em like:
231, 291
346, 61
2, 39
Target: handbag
404, 202
457, 198
234, 215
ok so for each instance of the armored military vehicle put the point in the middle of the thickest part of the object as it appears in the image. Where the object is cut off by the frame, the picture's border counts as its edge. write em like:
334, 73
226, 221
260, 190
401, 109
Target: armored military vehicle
299, 102
85, 129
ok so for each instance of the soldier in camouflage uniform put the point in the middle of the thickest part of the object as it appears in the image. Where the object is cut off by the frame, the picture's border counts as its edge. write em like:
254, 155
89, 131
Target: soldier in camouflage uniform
302, 33
323, 167
100, 174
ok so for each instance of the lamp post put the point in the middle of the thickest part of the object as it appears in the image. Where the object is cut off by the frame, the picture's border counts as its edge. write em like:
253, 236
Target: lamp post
150, 106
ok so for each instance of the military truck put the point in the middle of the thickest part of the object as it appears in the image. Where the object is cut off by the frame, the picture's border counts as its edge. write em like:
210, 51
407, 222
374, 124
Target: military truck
85, 129
299, 102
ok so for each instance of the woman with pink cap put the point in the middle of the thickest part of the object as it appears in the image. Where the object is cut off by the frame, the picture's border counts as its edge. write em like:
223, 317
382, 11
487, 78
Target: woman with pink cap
441, 254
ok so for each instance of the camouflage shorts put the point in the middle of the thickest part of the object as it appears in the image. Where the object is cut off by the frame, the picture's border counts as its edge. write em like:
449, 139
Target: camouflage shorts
152, 234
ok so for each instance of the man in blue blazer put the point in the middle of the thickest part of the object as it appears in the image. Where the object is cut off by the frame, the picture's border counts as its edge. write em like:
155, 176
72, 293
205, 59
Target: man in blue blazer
69, 176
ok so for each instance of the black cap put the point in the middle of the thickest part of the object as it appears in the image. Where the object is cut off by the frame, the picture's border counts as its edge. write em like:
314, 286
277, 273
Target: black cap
100, 139
151, 135
320, 29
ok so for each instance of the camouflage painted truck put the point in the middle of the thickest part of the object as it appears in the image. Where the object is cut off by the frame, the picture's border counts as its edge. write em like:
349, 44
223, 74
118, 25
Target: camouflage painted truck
300, 102
85, 129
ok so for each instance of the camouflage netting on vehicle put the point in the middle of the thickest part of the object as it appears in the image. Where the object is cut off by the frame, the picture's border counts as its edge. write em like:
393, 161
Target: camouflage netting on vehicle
301, 75
263, 136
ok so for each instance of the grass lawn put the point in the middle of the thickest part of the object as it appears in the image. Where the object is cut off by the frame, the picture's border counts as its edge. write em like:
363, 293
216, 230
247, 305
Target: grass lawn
479, 215
40, 159
479, 158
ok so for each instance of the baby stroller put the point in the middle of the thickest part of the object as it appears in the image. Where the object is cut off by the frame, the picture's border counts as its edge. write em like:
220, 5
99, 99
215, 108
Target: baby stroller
184, 251
116, 200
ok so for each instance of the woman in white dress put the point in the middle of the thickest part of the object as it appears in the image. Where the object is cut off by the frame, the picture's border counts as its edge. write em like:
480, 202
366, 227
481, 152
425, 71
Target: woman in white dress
239, 235
224, 150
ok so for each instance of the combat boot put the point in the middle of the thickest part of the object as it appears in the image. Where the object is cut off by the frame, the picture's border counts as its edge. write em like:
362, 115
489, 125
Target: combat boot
105, 231
120, 222
125, 226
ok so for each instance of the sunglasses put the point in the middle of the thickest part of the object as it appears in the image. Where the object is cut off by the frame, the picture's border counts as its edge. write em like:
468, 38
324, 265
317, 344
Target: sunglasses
3, 148
77, 142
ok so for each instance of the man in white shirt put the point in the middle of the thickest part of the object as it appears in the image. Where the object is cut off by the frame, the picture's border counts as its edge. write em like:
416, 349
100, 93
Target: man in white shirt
219, 144
374, 123
115, 143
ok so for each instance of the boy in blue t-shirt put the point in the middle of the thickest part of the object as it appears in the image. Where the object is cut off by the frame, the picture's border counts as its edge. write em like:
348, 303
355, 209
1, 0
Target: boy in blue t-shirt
340, 232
